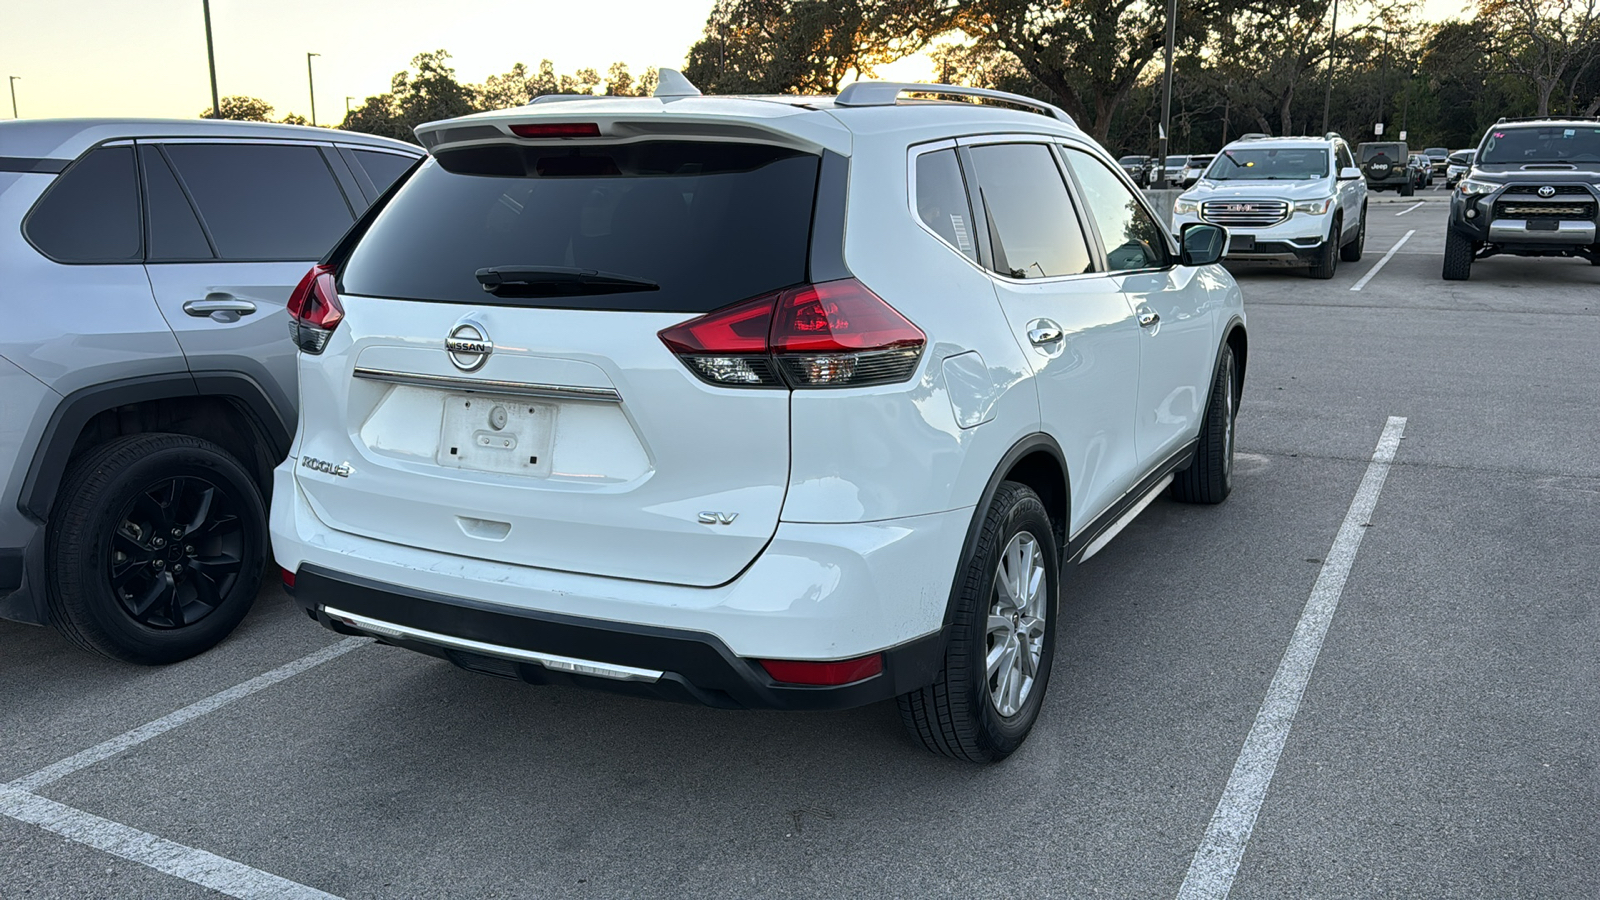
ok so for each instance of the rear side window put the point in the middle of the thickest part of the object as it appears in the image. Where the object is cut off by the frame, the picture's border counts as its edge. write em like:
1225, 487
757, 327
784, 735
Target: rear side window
264, 202
91, 212
942, 200
1032, 226
1133, 239
175, 233
711, 224
383, 168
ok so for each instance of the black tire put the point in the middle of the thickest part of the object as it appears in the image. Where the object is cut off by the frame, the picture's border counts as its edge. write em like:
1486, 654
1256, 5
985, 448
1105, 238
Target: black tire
1209, 476
120, 585
1328, 254
1351, 252
1457, 256
958, 716
1407, 189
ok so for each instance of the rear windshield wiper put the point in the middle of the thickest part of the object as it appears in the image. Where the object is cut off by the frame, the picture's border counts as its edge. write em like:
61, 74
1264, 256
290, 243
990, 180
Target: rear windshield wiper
557, 281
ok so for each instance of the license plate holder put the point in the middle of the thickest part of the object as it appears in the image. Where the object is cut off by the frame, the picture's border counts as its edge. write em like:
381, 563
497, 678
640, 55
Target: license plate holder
1243, 243
1544, 225
489, 433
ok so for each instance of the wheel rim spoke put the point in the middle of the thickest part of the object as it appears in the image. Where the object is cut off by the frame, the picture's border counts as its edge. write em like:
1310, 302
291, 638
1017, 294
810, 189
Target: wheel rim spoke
153, 594
1016, 624
202, 510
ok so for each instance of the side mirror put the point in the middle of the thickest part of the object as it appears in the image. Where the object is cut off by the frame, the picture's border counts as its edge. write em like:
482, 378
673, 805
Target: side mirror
1201, 244
1349, 173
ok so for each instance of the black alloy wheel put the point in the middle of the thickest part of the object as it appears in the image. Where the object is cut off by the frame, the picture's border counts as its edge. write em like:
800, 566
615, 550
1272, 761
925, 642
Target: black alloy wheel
176, 553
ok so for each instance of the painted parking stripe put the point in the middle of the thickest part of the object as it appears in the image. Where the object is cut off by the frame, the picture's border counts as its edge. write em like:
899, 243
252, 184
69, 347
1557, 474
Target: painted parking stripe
1408, 209
1382, 262
110, 748
196, 866
1215, 863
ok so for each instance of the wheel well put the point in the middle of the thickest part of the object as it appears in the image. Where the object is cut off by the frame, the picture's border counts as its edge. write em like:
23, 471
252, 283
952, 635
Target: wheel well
1240, 345
215, 419
1041, 471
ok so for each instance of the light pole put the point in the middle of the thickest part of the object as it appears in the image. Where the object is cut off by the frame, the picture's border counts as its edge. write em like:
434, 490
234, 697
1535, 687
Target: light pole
1327, 97
1166, 95
347, 106
211, 62
311, 83
14, 80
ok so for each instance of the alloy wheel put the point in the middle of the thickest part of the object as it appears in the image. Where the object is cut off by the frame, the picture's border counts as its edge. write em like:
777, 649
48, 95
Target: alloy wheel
1016, 627
176, 552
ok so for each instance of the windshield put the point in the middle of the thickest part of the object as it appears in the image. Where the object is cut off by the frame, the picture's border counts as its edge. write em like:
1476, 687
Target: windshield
1542, 144
710, 223
1270, 164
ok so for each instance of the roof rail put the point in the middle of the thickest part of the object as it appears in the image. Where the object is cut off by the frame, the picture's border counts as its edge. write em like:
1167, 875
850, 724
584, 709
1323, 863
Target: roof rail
1254, 136
887, 93
1550, 118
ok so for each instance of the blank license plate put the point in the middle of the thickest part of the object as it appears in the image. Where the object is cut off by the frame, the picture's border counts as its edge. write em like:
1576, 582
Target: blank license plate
496, 434
1544, 225
1242, 242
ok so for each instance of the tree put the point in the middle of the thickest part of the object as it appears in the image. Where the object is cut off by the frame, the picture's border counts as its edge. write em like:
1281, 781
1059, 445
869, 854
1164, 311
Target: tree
241, 109
294, 119
429, 91
1548, 42
377, 115
806, 46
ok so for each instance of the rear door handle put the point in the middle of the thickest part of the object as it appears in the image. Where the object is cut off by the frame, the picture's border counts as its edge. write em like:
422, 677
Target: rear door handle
220, 307
1043, 331
1148, 317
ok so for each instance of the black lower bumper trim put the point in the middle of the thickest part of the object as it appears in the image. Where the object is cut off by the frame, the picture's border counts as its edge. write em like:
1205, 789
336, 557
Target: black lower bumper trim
698, 667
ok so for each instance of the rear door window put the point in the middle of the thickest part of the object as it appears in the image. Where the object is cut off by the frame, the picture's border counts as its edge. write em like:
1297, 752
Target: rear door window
264, 202
175, 232
709, 223
91, 212
383, 168
942, 201
1033, 229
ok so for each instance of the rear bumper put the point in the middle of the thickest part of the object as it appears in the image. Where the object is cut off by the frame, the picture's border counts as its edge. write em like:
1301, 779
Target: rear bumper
548, 648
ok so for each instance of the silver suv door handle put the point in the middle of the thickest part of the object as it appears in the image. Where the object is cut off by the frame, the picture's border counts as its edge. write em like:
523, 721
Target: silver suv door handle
1148, 317
1044, 333
221, 307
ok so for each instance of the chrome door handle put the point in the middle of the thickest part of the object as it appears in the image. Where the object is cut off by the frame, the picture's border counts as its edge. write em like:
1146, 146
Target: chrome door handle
1148, 317
1042, 334
221, 307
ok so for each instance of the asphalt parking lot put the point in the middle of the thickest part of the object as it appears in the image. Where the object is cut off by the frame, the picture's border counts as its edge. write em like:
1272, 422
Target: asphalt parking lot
1444, 744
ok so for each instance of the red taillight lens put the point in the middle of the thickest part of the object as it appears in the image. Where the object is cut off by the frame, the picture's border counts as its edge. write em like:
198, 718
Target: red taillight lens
835, 334
314, 310
844, 671
556, 129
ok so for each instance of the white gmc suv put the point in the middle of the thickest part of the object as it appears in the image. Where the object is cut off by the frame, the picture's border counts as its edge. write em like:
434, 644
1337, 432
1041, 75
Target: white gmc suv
792, 402
1297, 201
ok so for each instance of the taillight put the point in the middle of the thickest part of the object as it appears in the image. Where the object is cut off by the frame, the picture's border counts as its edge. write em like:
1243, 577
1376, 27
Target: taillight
314, 310
834, 334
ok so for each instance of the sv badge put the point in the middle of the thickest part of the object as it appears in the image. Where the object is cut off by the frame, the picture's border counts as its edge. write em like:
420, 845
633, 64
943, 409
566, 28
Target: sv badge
717, 518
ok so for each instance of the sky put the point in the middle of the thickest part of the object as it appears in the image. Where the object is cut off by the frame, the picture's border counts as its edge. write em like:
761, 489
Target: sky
148, 57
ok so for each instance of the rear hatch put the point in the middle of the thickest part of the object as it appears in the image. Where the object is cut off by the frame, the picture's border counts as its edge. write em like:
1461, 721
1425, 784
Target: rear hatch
544, 422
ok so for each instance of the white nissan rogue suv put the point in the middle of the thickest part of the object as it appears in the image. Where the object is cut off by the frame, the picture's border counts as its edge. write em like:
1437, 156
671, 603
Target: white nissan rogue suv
784, 402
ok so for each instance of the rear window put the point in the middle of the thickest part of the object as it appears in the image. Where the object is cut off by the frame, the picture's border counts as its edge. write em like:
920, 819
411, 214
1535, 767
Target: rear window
710, 223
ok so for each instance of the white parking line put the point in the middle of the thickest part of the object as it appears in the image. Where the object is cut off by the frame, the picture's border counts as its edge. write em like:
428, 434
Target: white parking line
1408, 209
195, 866
110, 748
1216, 861
1382, 262
17, 800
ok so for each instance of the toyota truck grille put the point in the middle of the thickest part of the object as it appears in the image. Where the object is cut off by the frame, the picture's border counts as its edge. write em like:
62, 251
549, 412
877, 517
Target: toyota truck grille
1516, 210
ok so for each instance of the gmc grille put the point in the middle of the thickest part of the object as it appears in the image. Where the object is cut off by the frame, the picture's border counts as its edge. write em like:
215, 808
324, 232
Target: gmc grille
1245, 213
1515, 210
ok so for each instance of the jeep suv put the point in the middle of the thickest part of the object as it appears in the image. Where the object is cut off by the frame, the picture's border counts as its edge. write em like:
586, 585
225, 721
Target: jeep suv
1386, 166
1533, 190
1291, 201
147, 382
794, 402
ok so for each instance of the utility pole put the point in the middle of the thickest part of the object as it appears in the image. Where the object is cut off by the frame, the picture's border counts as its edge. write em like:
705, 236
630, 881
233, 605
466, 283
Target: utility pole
1166, 95
211, 62
311, 83
14, 80
347, 106
1327, 97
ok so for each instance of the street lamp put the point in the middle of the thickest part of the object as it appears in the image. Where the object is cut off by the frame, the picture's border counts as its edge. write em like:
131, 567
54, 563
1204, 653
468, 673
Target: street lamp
211, 62
310, 82
14, 80
347, 106
1327, 97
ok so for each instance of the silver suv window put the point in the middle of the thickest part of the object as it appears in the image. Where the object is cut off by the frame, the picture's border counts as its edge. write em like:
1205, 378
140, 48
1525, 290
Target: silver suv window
91, 212
175, 232
1033, 229
264, 202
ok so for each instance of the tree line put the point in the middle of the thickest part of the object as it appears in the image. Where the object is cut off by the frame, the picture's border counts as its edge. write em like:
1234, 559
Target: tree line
1273, 66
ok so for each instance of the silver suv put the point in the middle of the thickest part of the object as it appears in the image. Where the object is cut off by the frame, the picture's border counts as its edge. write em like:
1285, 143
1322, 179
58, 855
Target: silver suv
147, 380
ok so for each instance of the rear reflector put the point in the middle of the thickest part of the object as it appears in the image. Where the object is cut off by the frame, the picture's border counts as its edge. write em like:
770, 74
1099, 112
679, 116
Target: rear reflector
834, 334
556, 129
288, 578
844, 671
